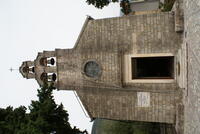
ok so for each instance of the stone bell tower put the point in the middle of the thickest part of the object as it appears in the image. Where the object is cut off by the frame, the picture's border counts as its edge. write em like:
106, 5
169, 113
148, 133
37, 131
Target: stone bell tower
43, 68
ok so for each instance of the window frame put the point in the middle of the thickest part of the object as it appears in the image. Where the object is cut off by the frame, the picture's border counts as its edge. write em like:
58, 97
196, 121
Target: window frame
127, 69
141, 63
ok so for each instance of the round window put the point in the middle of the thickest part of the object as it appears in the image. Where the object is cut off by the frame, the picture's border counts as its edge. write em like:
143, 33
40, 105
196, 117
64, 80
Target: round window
92, 69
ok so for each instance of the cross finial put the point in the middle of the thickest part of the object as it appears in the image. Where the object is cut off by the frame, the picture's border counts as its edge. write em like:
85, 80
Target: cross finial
11, 69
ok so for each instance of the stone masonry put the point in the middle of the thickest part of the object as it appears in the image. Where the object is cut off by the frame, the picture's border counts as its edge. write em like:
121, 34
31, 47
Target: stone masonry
192, 41
109, 45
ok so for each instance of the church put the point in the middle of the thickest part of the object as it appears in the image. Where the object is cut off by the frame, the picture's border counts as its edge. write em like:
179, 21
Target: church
124, 68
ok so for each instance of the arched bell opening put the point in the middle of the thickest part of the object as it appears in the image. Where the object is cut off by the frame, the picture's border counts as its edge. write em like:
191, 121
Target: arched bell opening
33, 69
43, 61
44, 77
48, 77
27, 69
51, 61
52, 77
47, 61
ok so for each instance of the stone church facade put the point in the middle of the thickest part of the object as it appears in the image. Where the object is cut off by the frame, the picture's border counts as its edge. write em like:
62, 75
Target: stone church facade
125, 68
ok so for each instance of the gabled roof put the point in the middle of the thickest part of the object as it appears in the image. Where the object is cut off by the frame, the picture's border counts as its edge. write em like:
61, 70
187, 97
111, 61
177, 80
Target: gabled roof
82, 30
21, 69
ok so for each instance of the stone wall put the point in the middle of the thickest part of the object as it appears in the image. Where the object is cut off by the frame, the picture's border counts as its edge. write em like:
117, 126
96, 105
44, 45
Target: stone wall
153, 33
106, 41
192, 39
71, 74
123, 105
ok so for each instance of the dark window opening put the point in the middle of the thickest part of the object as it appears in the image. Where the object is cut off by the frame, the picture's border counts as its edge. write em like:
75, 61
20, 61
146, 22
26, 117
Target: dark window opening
153, 67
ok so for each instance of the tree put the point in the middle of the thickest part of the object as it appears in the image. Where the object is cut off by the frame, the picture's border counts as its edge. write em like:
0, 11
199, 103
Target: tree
167, 5
11, 120
125, 7
100, 3
124, 4
45, 117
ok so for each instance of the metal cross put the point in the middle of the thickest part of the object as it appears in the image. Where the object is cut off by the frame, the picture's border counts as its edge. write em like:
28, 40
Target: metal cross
11, 69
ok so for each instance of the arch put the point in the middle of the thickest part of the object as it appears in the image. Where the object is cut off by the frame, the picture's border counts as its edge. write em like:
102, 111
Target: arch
44, 77
43, 61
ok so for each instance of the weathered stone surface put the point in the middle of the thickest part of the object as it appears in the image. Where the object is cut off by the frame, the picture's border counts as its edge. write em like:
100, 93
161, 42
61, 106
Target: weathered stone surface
192, 39
123, 105
107, 42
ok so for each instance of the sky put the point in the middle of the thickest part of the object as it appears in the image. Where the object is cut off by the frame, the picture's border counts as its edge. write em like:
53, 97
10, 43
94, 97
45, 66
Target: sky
31, 26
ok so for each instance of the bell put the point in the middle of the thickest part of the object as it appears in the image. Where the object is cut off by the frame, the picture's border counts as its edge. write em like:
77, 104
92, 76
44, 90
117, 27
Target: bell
52, 77
31, 69
51, 61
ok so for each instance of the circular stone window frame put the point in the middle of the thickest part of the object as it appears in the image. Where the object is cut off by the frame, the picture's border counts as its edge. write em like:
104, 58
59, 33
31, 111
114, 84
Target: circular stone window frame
84, 73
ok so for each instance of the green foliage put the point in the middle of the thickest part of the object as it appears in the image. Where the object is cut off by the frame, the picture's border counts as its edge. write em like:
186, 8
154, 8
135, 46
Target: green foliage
12, 120
167, 5
124, 4
125, 7
100, 3
45, 117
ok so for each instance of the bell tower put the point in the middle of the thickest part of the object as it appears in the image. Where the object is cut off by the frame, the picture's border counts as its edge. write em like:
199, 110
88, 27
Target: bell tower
43, 68
27, 69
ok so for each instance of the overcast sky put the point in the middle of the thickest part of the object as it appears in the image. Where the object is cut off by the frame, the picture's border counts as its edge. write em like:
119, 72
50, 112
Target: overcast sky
31, 26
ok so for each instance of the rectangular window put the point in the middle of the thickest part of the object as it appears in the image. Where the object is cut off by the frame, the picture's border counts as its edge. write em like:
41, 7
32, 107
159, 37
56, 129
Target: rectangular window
152, 67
